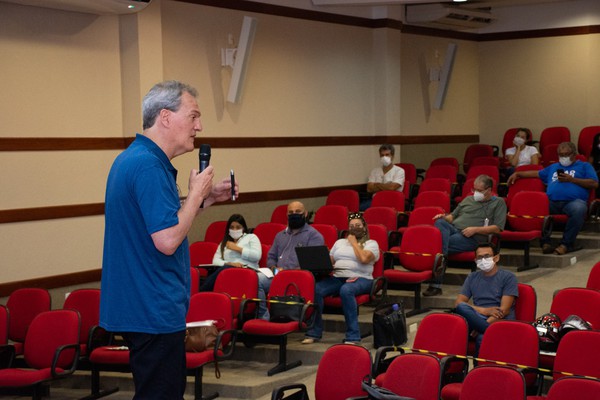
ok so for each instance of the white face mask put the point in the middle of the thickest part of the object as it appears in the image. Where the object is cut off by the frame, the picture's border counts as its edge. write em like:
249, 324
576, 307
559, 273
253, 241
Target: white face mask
236, 234
565, 161
519, 141
478, 196
386, 161
485, 264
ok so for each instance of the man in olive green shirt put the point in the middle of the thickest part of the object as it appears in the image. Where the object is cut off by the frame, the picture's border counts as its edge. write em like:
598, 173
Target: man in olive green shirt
471, 223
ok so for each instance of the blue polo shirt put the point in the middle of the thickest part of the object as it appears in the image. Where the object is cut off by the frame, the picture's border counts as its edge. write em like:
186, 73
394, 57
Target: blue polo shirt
567, 191
143, 290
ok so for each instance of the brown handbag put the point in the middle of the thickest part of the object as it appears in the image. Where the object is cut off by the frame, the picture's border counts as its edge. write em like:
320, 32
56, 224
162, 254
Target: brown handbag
202, 338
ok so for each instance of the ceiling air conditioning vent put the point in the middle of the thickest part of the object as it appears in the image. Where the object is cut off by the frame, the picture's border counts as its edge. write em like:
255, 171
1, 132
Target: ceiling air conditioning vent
99, 7
447, 17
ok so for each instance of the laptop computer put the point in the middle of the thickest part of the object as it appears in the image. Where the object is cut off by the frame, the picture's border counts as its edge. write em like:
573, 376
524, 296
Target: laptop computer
314, 259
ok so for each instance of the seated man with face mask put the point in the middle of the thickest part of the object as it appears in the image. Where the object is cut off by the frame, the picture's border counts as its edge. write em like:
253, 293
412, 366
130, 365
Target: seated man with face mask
568, 184
471, 223
493, 291
387, 177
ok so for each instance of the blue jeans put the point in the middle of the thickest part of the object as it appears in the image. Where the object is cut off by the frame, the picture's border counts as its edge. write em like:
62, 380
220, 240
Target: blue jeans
453, 242
264, 284
348, 292
576, 210
477, 322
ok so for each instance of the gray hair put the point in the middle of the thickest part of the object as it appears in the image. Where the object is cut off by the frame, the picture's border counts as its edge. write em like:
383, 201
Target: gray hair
570, 145
165, 95
387, 147
487, 181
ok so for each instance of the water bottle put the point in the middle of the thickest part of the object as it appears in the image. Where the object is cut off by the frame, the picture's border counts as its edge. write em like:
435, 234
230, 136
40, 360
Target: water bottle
395, 307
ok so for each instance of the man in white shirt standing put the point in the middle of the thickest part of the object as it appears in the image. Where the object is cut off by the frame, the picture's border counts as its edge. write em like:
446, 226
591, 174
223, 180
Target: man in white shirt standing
386, 177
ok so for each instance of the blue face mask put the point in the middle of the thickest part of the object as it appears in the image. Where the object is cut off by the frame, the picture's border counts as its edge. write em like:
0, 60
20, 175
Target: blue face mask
296, 221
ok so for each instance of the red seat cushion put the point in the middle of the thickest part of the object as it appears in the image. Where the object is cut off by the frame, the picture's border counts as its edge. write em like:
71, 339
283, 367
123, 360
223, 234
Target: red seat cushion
109, 355
17, 377
407, 277
262, 327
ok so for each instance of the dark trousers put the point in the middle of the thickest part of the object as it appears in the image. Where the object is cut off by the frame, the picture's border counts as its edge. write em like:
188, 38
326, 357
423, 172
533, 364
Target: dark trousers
157, 364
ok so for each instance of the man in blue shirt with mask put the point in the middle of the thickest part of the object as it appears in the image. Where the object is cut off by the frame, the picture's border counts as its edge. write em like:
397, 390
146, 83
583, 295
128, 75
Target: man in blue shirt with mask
568, 183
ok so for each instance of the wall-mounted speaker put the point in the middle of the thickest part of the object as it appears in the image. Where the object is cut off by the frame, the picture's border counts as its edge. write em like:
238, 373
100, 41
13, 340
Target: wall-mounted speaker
242, 55
445, 76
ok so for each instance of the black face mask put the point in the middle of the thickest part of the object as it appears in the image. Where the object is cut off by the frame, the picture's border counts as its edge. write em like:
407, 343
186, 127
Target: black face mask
296, 221
359, 233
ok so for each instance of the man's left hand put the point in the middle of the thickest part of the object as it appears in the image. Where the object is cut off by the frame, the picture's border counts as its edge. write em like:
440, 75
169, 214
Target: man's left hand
221, 192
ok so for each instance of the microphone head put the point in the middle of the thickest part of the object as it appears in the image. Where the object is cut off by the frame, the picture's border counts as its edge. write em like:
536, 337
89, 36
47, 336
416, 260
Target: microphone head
205, 149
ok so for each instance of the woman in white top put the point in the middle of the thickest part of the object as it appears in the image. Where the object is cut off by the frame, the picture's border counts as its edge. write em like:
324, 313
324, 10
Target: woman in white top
521, 154
238, 249
353, 259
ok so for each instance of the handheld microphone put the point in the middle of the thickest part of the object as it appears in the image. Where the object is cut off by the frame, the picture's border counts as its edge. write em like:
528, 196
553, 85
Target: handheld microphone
204, 156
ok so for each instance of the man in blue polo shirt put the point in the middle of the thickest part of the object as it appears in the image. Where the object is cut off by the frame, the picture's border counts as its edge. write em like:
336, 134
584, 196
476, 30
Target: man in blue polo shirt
146, 264
568, 182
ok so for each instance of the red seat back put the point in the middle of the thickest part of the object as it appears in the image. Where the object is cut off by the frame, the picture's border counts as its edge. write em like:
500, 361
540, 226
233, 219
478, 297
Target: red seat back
593, 281
215, 231
266, 231
341, 371
379, 234
389, 198
442, 171
527, 211
280, 215
489, 170
453, 341
48, 331
212, 305
485, 379
486, 160
578, 353
435, 184
23, 306
329, 232
553, 135
385, 216
433, 198
476, 150
445, 161
578, 301
524, 184
526, 303
410, 172
87, 303
419, 247
4, 317
240, 284
203, 252
333, 215
424, 215
574, 387
305, 281
414, 375
513, 342
343, 197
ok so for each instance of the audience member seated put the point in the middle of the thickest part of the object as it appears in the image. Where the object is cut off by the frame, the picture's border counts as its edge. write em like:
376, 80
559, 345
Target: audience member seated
282, 254
240, 249
353, 259
520, 154
471, 223
493, 291
386, 177
568, 183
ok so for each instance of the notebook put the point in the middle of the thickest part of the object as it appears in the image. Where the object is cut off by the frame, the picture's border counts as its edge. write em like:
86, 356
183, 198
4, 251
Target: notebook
315, 259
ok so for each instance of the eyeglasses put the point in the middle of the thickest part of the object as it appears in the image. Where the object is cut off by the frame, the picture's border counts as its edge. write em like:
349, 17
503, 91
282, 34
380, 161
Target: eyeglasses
484, 257
565, 154
356, 226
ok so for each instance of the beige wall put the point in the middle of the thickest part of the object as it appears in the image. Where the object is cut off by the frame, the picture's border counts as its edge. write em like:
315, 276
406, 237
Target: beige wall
538, 83
77, 75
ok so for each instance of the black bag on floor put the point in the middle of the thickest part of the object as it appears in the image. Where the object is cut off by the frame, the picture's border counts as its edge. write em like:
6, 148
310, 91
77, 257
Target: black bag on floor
378, 393
389, 325
288, 307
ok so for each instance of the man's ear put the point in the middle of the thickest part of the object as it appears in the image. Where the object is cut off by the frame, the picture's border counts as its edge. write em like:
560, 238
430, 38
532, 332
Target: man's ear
164, 117
496, 258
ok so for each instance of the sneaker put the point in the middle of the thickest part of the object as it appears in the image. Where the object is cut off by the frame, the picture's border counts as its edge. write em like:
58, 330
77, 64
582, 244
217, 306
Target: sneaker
309, 340
547, 248
352, 342
432, 291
